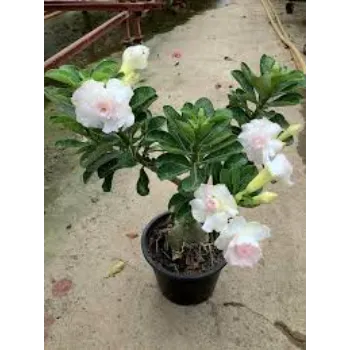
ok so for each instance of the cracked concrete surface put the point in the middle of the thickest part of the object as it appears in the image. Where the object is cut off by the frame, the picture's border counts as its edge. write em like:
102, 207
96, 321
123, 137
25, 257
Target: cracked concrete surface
86, 229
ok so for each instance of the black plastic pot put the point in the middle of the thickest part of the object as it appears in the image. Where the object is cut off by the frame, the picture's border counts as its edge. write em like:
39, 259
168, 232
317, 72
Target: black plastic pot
183, 290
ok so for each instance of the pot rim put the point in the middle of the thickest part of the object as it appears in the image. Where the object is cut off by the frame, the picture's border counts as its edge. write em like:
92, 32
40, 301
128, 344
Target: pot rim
159, 267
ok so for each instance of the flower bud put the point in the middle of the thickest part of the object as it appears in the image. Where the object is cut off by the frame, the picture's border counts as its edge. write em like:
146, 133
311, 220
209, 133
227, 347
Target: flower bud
265, 198
292, 130
259, 181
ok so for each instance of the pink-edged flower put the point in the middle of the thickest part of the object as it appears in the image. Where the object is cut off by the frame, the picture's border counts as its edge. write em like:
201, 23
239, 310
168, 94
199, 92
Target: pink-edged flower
280, 168
213, 206
176, 54
239, 241
104, 106
259, 140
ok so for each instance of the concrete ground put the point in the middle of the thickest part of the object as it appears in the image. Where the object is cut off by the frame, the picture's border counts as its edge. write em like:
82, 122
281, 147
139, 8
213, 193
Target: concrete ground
85, 229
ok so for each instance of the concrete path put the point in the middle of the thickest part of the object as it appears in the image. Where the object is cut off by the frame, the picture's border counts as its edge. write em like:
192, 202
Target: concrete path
85, 228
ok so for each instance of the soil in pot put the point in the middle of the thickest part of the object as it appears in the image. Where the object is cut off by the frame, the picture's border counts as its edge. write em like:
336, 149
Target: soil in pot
196, 258
188, 280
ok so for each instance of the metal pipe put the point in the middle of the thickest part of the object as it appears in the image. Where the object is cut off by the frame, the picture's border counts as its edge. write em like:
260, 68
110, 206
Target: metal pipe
85, 41
51, 14
87, 5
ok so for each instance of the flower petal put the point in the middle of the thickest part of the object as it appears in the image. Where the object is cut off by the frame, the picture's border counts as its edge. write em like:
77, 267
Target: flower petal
256, 231
234, 227
87, 116
251, 254
198, 209
274, 146
121, 93
203, 191
215, 222
224, 196
281, 168
111, 125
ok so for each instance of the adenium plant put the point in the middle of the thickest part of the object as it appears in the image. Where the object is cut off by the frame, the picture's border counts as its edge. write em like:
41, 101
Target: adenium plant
220, 159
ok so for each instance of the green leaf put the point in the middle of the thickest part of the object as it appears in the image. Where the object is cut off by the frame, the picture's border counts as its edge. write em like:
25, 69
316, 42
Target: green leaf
183, 212
88, 148
173, 158
121, 160
291, 82
168, 170
264, 87
176, 201
156, 123
140, 116
166, 140
91, 156
289, 99
215, 172
214, 126
234, 179
180, 129
215, 130
280, 120
61, 98
236, 160
171, 113
104, 70
239, 115
143, 97
221, 140
142, 183
174, 128
235, 130
85, 73
206, 104
192, 182
69, 143
108, 168
66, 74
185, 130
266, 64
221, 114
245, 84
188, 110
107, 183
223, 153
69, 123
106, 157
237, 177
248, 74
238, 98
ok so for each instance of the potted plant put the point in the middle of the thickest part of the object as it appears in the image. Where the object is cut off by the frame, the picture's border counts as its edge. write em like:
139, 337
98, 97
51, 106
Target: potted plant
220, 159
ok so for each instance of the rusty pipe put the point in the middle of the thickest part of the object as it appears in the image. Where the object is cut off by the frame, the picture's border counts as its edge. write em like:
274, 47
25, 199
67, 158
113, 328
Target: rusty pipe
83, 5
48, 15
85, 41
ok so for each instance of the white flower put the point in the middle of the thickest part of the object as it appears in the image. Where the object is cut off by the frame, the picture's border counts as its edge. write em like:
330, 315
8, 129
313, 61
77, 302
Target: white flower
104, 107
213, 206
135, 57
239, 241
280, 168
258, 139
